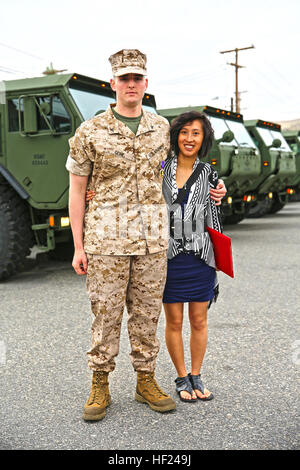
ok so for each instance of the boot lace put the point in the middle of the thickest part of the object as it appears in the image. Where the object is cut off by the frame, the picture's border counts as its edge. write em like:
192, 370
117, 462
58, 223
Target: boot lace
99, 389
149, 378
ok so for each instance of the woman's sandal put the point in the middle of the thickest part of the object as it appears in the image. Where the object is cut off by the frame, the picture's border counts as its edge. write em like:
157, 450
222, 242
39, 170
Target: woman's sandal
197, 384
183, 384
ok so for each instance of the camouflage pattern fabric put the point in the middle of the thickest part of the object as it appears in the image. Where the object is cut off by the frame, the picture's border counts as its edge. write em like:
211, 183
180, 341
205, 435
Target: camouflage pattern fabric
128, 61
128, 215
138, 282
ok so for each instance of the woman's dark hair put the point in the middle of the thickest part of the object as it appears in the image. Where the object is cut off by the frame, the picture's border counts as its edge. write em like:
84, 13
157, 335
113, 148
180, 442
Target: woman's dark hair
184, 118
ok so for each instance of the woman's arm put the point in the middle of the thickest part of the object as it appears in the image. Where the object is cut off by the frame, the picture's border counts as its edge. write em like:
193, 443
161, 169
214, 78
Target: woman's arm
78, 185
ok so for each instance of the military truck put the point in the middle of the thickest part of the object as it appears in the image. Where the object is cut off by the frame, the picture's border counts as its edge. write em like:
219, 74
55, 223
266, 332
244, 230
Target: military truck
37, 118
234, 155
278, 167
293, 139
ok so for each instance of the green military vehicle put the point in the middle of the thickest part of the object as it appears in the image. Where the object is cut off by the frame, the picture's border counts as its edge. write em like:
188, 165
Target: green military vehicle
278, 167
234, 155
293, 139
37, 118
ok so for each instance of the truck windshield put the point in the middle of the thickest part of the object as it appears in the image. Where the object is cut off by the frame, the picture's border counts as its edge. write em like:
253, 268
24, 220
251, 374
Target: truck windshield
284, 144
219, 127
90, 103
265, 135
149, 108
240, 133
241, 136
268, 136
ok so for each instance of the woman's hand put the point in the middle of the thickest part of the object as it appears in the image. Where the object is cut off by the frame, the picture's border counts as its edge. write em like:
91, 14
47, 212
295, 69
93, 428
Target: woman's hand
218, 193
89, 196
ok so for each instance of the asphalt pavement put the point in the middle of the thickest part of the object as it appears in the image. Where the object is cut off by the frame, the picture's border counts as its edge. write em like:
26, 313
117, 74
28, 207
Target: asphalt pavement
251, 365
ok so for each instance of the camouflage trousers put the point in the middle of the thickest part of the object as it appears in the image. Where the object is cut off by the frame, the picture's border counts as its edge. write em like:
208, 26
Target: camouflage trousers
137, 282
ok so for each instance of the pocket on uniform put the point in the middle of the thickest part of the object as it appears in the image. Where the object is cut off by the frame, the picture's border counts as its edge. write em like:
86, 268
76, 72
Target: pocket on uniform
92, 284
112, 164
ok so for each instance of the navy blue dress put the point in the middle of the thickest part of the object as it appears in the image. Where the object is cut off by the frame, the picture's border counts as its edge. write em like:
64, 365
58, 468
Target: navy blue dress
189, 279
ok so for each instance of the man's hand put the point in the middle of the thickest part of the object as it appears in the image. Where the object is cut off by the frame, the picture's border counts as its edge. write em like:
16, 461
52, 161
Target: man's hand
218, 193
80, 262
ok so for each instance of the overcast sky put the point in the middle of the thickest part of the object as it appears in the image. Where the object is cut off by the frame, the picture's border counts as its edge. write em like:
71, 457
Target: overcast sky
182, 41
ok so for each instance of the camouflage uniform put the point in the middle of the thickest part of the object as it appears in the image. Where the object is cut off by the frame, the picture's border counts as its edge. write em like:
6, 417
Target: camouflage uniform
125, 232
137, 281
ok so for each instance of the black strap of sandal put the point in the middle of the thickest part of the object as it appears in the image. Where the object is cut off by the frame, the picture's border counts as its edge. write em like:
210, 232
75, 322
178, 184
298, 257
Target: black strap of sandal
196, 382
183, 384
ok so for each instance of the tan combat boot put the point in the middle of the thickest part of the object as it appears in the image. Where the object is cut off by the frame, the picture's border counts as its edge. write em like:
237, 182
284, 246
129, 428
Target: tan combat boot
148, 391
99, 399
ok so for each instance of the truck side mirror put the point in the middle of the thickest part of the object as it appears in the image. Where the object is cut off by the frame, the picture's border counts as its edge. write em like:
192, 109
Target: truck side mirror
276, 143
30, 115
46, 108
228, 136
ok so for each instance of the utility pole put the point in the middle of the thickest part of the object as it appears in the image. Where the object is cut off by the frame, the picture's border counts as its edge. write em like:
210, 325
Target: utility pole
237, 67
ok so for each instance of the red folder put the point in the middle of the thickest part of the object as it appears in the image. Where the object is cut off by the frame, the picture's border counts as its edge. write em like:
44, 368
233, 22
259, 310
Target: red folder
222, 251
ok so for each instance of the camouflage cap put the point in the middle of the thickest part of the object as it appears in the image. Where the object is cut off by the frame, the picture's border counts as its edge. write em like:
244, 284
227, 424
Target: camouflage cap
128, 61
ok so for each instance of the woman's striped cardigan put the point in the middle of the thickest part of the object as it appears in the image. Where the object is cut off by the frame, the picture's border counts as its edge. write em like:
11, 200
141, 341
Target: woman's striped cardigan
200, 211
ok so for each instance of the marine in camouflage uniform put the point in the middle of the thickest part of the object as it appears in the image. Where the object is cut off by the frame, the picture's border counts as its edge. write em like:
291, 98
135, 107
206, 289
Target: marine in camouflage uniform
125, 239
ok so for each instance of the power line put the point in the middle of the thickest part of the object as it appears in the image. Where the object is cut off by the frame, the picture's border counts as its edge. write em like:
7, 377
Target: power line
9, 70
275, 91
19, 50
205, 75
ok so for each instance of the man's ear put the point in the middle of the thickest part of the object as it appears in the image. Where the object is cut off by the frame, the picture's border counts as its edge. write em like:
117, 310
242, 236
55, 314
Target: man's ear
146, 82
113, 84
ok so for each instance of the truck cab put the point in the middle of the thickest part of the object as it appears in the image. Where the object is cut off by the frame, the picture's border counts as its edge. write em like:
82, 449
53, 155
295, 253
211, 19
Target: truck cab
278, 166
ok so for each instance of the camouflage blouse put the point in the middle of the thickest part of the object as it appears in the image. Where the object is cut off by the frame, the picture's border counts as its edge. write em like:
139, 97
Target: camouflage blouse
128, 215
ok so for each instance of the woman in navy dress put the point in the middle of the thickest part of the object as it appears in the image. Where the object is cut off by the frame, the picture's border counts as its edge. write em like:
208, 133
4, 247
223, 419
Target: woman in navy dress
191, 275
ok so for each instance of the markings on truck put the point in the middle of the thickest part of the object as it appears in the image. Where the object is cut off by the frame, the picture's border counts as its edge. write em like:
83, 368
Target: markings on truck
39, 159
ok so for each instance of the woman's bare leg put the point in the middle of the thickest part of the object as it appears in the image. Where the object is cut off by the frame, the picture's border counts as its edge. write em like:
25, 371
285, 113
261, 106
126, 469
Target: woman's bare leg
198, 340
174, 341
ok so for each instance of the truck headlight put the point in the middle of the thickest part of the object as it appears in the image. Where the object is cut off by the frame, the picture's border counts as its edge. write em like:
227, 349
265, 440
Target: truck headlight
64, 221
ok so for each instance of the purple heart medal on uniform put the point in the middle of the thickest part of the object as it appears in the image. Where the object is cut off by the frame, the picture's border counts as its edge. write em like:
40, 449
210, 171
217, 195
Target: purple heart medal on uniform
162, 165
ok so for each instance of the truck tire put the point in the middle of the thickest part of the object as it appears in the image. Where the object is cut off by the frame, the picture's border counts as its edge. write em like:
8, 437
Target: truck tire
259, 210
276, 205
234, 219
16, 237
